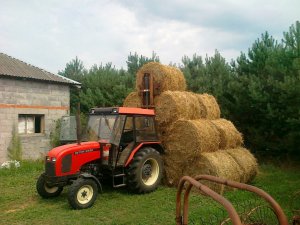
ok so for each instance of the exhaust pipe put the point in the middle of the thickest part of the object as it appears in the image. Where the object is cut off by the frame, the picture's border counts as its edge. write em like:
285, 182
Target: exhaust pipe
78, 124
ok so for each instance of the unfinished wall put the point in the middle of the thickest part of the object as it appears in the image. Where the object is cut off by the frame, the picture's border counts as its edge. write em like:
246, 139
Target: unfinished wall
28, 97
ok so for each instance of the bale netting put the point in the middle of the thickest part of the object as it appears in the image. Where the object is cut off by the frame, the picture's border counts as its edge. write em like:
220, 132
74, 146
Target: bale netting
132, 100
246, 161
191, 137
209, 106
219, 164
165, 78
229, 135
171, 106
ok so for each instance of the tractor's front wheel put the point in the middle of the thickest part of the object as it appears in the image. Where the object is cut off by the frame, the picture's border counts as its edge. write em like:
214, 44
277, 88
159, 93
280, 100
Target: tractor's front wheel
82, 193
46, 191
145, 171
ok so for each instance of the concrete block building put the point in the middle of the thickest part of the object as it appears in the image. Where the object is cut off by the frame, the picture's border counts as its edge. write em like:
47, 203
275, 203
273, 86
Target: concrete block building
31, 100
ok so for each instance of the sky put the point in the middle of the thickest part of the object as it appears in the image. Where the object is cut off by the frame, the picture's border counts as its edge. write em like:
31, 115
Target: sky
50, 33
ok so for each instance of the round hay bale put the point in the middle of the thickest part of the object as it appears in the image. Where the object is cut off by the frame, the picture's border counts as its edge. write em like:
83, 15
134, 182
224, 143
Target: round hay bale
191, 137
246, 161
171, 106
174, 169
132, 100
229, 135
219, 164
165, 78
209, 106
162, 132
174, 105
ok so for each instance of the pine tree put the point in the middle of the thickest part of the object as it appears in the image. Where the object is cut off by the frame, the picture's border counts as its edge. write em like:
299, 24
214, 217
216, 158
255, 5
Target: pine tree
267, 94
134, 62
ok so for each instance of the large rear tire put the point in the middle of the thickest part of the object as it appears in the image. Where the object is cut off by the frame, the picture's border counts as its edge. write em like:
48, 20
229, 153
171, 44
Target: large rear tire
82, 193
45, 191
145, 171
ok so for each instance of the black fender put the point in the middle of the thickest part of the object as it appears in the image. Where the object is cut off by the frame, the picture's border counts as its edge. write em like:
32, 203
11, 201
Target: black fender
157, 146
90, 176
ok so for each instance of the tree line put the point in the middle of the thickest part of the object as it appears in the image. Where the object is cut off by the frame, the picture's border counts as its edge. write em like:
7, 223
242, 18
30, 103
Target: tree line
259, 91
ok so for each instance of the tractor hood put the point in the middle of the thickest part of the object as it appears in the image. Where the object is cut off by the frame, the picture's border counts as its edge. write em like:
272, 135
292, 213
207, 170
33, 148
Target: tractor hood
60, 151
68, 159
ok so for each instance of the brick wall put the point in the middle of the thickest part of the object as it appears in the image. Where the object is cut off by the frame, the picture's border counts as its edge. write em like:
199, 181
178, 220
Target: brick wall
30, 97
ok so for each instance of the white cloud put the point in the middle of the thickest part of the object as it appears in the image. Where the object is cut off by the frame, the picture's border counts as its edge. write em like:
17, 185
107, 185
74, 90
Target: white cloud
49, 34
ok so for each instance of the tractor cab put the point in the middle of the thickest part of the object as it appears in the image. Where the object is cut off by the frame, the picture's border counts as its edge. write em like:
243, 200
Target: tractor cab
120, 130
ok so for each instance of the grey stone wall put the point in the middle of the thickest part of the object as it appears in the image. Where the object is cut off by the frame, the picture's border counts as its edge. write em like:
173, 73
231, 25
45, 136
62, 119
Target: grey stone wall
30, 97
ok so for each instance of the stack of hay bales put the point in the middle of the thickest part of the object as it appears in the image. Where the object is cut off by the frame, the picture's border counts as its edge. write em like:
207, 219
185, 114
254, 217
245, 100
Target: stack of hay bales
195, 138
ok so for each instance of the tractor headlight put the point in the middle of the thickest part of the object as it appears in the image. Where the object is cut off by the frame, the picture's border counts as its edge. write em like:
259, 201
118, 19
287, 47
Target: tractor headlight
47, 158
53, 159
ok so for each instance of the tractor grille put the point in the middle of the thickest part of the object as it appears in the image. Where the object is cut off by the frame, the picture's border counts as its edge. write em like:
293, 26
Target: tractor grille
50, 168
66, 163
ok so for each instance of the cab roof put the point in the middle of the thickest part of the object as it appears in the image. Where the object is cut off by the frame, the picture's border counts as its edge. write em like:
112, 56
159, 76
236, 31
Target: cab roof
122, 110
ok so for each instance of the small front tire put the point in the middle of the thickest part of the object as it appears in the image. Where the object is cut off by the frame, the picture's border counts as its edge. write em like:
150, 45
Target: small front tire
82, 193
46, 191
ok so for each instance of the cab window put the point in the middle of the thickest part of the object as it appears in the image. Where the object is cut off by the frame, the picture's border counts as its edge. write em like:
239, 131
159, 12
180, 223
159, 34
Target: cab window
145, 129
127, 136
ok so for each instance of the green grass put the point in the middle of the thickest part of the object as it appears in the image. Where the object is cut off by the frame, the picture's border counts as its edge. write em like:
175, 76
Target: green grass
20, 203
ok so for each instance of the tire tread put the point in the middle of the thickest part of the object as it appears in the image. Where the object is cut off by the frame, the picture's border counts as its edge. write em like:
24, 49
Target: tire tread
133, 181
40, 187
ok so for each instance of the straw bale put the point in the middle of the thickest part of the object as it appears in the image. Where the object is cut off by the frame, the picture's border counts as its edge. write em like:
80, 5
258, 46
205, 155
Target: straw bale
174, 105
209, 106
132, 100
246, 161
219, 164
229, 135
191, 137
162, 132
175, 168
164, 77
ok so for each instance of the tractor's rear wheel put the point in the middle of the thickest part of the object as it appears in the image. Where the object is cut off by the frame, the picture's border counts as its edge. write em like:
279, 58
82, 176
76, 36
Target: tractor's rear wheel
82, 193
46, 191
145, 171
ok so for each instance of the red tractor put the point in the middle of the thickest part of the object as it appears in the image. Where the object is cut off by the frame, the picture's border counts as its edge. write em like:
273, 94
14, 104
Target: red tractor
127, 151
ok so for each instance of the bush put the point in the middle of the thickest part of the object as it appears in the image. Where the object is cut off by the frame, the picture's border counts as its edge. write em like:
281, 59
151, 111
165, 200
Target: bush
15, 146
